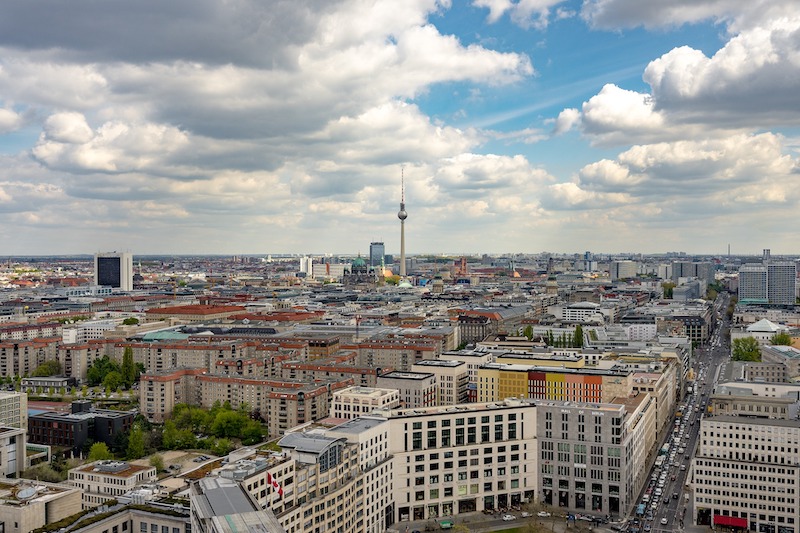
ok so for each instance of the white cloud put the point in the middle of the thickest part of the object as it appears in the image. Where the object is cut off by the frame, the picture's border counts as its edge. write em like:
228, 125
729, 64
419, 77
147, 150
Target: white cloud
739, 14
567, 119
9, 120
524, 13
753, 80
67, 128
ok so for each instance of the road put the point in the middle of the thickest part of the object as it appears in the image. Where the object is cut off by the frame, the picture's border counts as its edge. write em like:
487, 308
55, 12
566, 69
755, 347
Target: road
670, 512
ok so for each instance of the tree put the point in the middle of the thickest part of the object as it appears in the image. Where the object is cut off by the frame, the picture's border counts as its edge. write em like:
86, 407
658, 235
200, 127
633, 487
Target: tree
48, 368
99, 452
746, 349
577, 337
113, 381
782, 339
157, 462
251, 433
136, 447
99, 369
130, 321
128, 369
228, 424
667, 286
528, 332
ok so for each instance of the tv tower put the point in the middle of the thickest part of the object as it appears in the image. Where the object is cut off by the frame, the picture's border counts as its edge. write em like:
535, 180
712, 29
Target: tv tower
402, 215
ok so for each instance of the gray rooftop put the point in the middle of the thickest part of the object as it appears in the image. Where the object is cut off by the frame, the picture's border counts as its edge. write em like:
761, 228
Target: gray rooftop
358, 425
221, 497
306, 442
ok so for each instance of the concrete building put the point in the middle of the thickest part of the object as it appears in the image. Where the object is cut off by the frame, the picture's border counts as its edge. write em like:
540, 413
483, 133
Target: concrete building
593, 456
417, 389
746, 472
73, 430
192, 314
453, 460
159, 392
101, 481
26, 505
770, 282
623, 270
452, 380
498, 381
354, 402
221, 505
114, 270
788, 356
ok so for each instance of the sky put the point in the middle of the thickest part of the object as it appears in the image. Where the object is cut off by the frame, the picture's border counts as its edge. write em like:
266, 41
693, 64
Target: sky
286, 126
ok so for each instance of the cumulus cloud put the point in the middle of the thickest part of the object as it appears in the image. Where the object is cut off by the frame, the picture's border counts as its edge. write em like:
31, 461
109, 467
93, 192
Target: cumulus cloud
9, 120
524, 13
738, 14
753, 79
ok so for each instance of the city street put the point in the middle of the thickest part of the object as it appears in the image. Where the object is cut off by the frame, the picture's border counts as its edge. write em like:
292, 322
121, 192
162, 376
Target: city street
669, 509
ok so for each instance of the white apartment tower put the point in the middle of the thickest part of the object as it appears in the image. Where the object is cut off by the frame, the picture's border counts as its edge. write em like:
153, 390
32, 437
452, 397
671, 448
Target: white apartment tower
114, 270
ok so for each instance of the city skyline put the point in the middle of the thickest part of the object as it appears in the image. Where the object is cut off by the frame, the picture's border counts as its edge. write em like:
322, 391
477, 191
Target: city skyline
560, 125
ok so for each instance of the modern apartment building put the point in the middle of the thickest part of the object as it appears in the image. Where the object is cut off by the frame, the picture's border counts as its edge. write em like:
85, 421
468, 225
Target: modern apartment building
417, 389
452, 379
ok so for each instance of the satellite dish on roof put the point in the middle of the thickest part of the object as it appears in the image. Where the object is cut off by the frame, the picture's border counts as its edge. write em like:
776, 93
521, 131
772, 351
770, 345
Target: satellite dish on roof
27, 493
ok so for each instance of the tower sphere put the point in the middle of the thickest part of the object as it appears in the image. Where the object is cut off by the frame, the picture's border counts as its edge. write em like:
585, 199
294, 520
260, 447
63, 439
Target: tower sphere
402, 215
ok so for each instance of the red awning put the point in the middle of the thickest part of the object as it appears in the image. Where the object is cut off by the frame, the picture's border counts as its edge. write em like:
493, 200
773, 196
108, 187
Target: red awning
730, 521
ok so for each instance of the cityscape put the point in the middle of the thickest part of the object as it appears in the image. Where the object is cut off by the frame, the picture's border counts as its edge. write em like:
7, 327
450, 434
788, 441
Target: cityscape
380, 266
385, 392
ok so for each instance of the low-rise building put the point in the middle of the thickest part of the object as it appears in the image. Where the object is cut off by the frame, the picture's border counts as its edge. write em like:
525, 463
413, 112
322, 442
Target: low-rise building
354, 402
73, 430
417, 389
101, 481
26, 505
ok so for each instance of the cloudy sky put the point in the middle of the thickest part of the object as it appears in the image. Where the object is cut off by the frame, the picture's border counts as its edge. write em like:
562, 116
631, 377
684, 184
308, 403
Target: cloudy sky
270, 126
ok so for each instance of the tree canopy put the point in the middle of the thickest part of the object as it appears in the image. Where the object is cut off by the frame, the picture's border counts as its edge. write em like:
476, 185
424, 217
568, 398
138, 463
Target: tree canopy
48, 368
99, 452
746, 349
782, 339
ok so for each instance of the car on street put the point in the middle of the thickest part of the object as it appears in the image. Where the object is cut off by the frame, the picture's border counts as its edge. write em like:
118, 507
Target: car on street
647, 527
664, 521
525, 514
508, 517
543, 514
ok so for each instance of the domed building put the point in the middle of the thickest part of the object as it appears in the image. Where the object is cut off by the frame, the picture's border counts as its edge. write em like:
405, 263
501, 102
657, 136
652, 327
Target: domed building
359, 273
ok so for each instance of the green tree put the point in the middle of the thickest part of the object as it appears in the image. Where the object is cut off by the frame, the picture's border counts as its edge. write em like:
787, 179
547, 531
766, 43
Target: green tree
228, 424
99, 452
128, 369
221, 447
667, 286
99, 369
130, 321
746, 349
528, 332
170, 437
251, 433
157, 462
113, 381
783, 339
48, 368
136, 445
577, 337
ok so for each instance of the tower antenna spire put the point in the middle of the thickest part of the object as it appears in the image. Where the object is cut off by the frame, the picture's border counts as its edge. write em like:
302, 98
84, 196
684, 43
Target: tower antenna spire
402, 215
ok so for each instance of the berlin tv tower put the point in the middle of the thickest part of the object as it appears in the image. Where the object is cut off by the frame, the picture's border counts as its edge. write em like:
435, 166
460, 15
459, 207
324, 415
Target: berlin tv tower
402, 215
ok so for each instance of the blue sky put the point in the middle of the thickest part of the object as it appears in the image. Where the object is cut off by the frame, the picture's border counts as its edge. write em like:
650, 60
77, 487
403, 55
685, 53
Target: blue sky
521, 126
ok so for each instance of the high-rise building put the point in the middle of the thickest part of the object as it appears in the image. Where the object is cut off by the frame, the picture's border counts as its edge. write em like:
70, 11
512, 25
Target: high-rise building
377, 251
623, 269
772, 282
307, 266
114, 270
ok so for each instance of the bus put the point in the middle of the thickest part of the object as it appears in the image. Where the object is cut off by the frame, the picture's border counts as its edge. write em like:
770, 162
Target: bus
660, 461
664, 450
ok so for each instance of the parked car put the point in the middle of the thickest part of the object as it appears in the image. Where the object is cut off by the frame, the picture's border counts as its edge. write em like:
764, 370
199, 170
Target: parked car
508, 517
664, 521
525, 514
543, 514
